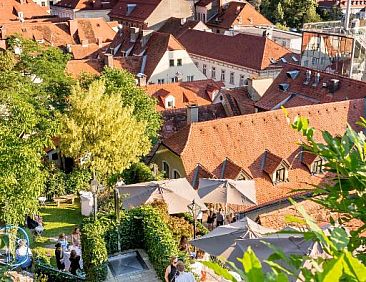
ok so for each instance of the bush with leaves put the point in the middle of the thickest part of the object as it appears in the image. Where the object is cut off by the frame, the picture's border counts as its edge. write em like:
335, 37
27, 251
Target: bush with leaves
95, 256
55, 181
77, 180
139, 172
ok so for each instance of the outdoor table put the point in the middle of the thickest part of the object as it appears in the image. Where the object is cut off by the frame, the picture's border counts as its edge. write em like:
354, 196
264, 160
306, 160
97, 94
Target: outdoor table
59, 200
69, 197
67, 257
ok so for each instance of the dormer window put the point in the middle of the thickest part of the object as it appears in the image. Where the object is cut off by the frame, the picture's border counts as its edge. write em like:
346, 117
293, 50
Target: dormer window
314, 163
230, 170
169, 102
317, 166
276, 167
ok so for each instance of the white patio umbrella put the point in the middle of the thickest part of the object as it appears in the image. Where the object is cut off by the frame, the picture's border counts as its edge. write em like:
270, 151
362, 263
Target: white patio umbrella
227, 191
221, 238
176, 193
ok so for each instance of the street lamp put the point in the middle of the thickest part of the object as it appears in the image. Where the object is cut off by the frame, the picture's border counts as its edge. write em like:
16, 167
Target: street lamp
94, 187
195, 210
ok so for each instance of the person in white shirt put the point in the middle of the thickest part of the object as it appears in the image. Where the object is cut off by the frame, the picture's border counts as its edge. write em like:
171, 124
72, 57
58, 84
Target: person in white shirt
183, 276
23, 255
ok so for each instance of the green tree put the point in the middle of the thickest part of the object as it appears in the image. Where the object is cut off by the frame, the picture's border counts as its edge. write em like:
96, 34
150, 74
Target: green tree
279, 15
123, 83
102, 133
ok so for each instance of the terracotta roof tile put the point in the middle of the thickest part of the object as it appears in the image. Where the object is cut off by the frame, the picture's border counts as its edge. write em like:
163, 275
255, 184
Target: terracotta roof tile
90, 51
238, 13
131, 64
175, 27
243, 139
185, 93
230, 170
87, 4
271, 162
299, 94
175, 120
308, 158
76, 67
246, 50
140, 12
93, 29
239, 101
9, 10
201, 172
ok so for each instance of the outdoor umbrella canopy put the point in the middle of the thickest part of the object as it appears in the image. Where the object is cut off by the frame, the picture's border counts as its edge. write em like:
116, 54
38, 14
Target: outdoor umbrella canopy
176, 193
223, 237
227, 191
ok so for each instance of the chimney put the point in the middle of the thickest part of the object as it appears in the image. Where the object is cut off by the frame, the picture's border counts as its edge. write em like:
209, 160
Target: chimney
308, 77
268, 33
183, 21
99, 42
141, 79
84, 43
334, 85
108, 60
134, 33
73, 26
317, 78
68, 48
192, 114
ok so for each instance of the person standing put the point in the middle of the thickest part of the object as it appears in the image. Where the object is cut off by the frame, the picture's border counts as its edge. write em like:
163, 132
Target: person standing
63, 241
75, 237
219, 218
183, 276
75, 262
171, 270
211, 218
59, 253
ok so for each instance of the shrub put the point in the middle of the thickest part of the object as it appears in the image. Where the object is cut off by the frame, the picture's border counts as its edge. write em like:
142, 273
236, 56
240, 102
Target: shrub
46, 272
94, 248
77, 180
55, 183
200, 228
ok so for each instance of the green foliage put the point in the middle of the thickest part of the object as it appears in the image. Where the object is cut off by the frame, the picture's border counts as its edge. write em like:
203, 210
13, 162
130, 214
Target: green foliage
77, 180
137, 173
122, 83
98, 129
290, 13
46, 272
95, 254
55, 183
338, 264
345, 157
201, 229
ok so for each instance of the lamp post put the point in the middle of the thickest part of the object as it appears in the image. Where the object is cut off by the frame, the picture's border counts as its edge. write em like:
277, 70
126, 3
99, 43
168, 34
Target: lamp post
195, 210
94, 185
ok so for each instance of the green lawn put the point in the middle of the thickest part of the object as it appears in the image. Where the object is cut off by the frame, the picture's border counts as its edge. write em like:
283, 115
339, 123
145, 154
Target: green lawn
55, 221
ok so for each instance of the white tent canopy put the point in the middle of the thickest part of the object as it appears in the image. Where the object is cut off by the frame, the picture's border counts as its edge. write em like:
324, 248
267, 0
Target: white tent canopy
176, 193
227, 191
221, 238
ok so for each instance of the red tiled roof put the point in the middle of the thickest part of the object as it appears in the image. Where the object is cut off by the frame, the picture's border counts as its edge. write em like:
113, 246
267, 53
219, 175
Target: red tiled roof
91, 51
156, 47
201, 172
203, 3
175, 27
175, 120
140, 12
93, 29
299, 94
308, 158
87, 4
76, 67
131, 64
238, 13
9, 10
272, 162
56, 34
230, 170
185, 93
238, 101
244, 140
245, 50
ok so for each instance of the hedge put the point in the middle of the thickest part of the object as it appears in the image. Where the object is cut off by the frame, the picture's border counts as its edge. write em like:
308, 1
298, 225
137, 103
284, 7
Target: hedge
141, 227
95, 256
54, 275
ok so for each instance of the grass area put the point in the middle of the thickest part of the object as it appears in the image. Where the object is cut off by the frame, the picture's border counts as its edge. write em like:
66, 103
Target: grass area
55, 221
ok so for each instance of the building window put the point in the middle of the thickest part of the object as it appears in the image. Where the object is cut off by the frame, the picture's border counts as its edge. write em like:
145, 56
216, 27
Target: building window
318, 167
176, 174
161, 81
204, 69
213, 73
315, 61
51, 3
280, 175
242, 80
179, 62
306, 63
174, 79
166, 169
190, 77
222, 75
43, 4
197, 64
171, 63
231, 78
204, 18
241, 176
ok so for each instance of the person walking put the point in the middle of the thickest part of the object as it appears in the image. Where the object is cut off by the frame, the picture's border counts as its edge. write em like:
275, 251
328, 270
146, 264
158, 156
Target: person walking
181, 275
171, 270
219, 218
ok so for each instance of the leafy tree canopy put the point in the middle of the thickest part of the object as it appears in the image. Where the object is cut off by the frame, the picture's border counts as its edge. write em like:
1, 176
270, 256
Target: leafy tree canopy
101, 132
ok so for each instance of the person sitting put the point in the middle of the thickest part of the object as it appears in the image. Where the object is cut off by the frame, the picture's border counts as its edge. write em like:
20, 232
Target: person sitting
183, 245
62, 239
183, 276
23, 255
75, 237
171, 270
34, 226
75, 262
59, 253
